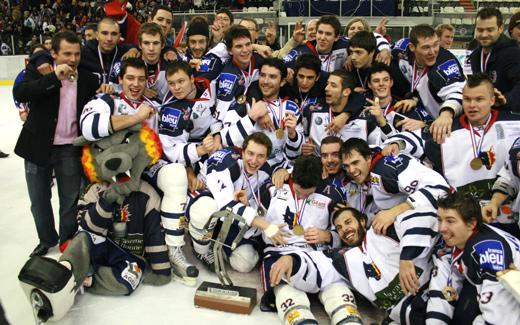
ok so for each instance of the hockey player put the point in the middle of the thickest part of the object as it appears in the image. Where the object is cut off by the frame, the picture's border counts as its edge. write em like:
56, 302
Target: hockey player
478, 253
385, 109
207, 63
329, 46
424, 71
303, 206
339, 98
239, 72
506, 186
187, 126
286, 132
481, 139
385, 268
151, 42
234, 180
105, 115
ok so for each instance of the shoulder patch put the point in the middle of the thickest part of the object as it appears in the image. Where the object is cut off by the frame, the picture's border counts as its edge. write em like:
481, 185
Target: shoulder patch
490, 254
226, 83
393, 161
449, 70
402, 44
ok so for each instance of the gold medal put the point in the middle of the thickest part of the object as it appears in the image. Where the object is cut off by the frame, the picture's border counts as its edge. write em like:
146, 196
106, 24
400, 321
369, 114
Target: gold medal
476, 163
241, 99
298, 230
261, 211
450, 294
280, 133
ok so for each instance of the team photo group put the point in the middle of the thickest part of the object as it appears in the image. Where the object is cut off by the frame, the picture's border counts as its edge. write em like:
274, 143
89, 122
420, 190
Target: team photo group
339, 166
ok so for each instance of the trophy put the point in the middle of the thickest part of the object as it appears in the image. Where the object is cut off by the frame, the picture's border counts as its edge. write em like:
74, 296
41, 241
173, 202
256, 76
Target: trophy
224, 295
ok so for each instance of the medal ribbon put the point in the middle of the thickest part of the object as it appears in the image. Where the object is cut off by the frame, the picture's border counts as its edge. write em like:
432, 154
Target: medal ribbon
326, 59
257, 196
302, 100
152, 80
484, 60
106, 75
130, 101
453, 263
278, 104
477, 146
299, 209
415, 79
249, 76
361, 81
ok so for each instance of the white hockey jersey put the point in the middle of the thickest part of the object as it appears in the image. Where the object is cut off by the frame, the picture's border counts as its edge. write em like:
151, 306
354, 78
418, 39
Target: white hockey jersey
452, 159
224, 174
95, 120
487, 252
238, 125
314, 211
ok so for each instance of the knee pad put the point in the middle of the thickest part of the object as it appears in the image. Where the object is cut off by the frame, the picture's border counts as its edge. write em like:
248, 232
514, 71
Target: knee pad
173, 182
340, 304
49, 286
244, 258
200, 213
293, 306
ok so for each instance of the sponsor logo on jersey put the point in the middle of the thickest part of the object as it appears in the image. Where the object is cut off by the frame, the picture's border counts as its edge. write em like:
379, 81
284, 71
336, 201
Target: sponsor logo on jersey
402, 44
316, 203
207, 65
490, 255
170, 118
291, 56
226, 83
218, 156
132, 274
450, 69
292, 107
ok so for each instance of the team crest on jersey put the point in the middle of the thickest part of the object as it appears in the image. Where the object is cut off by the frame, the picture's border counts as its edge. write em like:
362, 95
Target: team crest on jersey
372, 271
393, 161
125, 214
374, 180
226, 83
489, 254
449, 70
121, 109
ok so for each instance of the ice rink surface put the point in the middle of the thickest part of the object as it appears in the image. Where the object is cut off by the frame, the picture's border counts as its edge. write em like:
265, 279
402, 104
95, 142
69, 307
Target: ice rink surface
169, 304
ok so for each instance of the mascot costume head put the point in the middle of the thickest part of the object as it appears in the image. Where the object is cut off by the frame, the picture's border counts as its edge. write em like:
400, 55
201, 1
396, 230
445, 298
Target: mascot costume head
118, 160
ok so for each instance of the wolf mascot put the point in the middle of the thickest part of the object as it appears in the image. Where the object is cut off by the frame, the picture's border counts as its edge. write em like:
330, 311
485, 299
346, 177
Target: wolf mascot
119, 238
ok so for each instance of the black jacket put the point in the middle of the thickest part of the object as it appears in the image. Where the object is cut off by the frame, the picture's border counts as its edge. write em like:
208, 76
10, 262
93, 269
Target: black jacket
503, 68
43, 92
90, 60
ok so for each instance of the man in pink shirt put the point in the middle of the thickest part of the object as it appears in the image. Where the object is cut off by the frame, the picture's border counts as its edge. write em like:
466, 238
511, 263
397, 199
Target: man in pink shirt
45, 142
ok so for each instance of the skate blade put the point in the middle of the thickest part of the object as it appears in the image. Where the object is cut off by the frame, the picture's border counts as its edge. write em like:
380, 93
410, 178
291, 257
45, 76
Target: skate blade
184, 280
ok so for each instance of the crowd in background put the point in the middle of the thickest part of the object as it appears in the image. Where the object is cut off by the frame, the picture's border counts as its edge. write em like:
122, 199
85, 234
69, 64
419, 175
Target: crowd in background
27, 22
